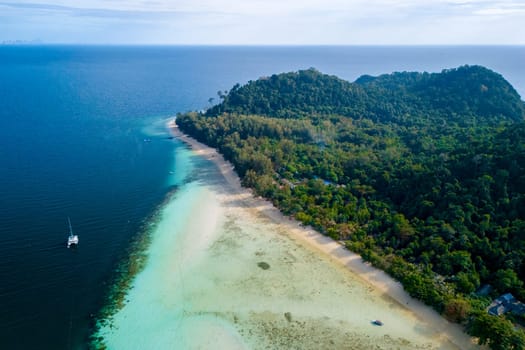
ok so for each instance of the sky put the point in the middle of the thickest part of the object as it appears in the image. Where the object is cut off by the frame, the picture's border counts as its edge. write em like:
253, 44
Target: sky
265, 22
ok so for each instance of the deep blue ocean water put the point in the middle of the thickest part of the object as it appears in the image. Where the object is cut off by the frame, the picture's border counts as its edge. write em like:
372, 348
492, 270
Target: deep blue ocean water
72, 126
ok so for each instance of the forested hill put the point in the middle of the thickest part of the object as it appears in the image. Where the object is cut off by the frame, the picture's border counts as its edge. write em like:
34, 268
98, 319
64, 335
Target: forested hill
422, 174
463, 95
467, 90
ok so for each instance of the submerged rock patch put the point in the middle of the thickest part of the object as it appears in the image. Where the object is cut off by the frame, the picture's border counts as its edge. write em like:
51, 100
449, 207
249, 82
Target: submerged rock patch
263, 265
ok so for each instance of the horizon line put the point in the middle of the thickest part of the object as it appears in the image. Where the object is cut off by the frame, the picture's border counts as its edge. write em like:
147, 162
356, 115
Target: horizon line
32, 43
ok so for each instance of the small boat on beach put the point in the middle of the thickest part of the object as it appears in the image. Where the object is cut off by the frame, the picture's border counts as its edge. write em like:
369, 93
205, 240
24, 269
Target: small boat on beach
377, 322
72, 239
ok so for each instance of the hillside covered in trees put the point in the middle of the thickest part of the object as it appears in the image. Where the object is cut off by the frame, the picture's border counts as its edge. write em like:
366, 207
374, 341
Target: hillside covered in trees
422, 174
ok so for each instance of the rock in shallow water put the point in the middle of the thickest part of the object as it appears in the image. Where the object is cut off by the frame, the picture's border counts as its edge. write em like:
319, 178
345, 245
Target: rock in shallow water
263, 265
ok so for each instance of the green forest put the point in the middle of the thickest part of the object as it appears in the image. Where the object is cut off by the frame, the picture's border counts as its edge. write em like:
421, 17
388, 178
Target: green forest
423, 174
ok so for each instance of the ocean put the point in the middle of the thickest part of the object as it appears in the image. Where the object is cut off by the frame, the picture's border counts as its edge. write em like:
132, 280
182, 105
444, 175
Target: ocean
83, 136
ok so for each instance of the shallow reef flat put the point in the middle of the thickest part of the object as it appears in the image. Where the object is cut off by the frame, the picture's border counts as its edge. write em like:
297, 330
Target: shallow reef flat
222, 272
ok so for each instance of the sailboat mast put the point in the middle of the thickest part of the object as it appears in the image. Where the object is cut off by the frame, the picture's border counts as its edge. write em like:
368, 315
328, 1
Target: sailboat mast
70, 229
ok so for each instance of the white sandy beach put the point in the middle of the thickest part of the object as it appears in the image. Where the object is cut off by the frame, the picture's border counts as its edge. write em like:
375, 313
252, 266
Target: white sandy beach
226, 270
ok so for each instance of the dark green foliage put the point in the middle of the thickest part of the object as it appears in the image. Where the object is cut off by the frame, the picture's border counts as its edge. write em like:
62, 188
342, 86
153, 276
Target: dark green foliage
496, 332
466, 92
422, 174
461, 95
292, 95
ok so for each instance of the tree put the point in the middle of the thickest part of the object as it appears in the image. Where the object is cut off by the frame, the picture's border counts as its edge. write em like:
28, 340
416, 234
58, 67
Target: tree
506, 280
457, 309
495, 331
402, 227
250, 178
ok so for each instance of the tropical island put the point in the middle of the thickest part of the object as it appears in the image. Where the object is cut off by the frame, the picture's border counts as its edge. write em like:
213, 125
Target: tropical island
421, 174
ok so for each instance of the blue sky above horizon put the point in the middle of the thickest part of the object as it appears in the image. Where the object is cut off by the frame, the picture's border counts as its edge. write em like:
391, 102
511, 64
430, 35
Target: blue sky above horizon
268, 22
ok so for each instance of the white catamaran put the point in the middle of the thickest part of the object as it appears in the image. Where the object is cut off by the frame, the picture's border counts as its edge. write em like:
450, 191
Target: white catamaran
72, 239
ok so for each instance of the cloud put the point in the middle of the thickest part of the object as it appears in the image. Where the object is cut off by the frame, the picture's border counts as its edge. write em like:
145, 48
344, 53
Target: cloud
95, 12
489, 8
501, 9
268, 21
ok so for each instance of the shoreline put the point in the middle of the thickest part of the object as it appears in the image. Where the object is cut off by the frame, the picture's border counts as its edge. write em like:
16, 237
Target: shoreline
331, 249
